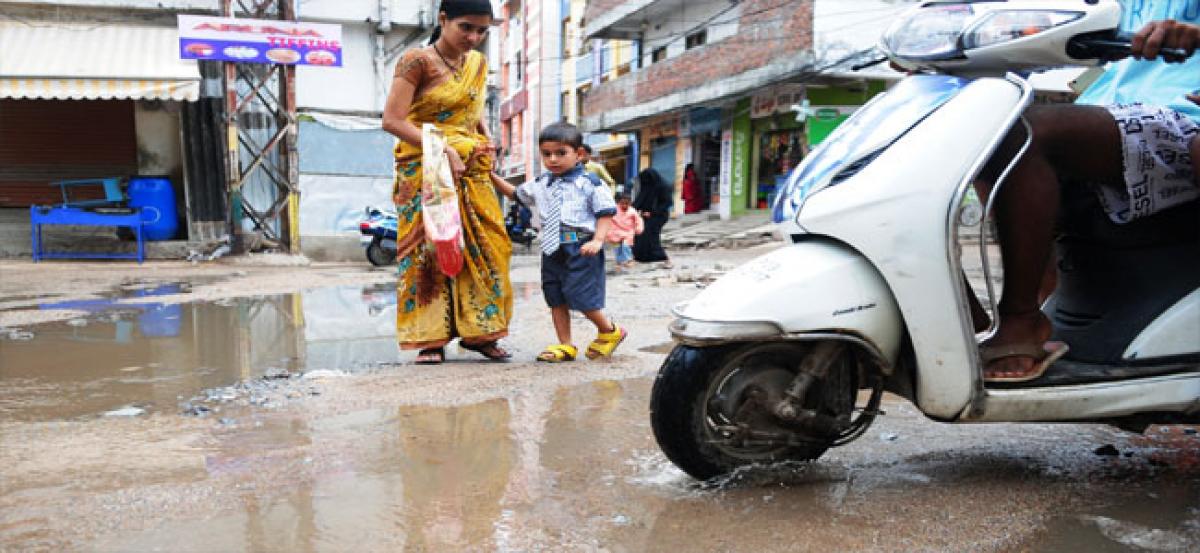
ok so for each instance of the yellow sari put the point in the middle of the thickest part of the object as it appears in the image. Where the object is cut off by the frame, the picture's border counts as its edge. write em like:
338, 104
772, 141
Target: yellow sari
476, 305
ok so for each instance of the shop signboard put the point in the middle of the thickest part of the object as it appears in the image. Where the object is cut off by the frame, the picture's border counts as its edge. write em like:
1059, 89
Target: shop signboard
725, 186
777, 99
259, 41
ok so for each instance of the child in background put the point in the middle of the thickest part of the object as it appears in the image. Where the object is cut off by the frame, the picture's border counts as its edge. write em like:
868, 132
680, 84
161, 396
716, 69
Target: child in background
626, 224
576, 211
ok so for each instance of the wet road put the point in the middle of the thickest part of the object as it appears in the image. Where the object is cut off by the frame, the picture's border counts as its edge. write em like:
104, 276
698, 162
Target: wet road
285, 423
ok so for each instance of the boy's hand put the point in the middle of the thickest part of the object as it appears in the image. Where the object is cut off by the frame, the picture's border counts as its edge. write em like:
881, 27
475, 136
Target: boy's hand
593, 247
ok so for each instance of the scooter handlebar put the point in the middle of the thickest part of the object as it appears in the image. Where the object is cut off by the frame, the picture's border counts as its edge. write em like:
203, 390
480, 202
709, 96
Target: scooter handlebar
1110, 48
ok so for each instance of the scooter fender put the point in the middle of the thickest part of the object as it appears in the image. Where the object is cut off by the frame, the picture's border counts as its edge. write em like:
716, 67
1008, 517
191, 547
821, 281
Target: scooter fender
812, 287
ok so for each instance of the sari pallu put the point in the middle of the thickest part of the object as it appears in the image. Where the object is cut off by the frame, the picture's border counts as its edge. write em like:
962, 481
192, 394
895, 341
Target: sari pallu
431, 308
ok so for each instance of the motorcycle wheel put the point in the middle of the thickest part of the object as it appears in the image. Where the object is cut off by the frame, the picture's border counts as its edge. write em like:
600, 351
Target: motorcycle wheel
699, 391
378, 255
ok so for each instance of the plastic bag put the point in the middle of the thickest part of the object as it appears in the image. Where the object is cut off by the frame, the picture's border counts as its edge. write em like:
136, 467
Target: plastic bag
443, 222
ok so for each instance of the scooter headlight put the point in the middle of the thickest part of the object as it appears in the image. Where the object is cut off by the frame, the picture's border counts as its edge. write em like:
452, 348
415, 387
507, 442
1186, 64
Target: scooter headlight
1007, 25
929, 33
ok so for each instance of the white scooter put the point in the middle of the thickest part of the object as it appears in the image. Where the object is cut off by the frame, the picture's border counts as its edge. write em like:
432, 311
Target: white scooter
869, 295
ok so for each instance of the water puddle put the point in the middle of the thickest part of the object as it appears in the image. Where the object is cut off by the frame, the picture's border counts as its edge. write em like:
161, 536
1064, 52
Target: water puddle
129, 357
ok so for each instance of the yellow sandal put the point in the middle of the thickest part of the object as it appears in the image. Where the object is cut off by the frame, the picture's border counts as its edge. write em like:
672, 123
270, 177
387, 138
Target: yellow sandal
558, 353
606, 342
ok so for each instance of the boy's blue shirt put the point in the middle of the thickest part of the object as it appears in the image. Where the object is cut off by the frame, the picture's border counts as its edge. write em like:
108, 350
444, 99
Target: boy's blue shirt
1151, 82
585, 197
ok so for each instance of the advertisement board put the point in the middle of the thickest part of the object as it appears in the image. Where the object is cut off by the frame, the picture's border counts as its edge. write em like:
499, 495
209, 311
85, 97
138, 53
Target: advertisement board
259, 41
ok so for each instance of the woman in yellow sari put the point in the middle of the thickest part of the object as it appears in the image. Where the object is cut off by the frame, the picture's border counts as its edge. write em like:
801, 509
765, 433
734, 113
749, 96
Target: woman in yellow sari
444, 84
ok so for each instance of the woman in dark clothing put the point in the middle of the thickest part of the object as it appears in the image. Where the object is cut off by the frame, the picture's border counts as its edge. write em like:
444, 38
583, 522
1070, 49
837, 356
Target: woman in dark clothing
654, 201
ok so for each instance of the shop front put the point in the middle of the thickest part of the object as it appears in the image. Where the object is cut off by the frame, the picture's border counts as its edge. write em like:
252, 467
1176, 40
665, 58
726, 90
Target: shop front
82, 101
705, 128
779, 142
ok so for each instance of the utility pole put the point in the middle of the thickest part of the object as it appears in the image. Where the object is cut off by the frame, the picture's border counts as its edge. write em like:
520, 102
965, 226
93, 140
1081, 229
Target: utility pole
262, 166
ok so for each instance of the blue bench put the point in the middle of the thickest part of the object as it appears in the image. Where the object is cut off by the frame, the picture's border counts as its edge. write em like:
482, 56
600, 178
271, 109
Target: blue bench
98, 213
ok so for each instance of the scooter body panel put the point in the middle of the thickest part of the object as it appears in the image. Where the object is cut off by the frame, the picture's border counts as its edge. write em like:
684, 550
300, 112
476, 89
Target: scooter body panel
878, 212
1179, 393
1174, 333
814, 286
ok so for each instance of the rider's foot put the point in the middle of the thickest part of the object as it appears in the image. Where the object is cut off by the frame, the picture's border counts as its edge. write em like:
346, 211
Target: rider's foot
1018, 331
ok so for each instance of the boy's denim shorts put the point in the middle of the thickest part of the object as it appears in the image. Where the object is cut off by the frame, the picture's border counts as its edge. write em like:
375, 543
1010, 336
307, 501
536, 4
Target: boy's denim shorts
570, 278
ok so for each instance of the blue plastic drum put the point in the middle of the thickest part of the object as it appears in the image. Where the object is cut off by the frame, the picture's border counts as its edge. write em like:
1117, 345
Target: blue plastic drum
156, 198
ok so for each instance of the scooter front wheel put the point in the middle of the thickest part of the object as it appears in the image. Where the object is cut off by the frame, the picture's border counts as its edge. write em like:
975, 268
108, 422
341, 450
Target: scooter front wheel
712, 409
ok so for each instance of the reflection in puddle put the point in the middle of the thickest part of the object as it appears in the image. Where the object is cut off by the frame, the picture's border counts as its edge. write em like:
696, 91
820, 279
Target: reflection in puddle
156, 355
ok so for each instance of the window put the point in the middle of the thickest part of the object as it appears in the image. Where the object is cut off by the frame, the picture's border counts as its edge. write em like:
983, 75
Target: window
519, 82
658, 54
697, 39
568, 39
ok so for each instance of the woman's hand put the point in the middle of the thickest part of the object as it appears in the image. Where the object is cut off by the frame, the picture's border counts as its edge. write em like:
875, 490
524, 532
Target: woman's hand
482, 149
645, 214
457, 167
1195, 97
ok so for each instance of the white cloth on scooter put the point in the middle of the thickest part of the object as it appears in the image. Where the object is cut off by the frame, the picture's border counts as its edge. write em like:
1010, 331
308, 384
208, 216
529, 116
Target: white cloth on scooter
1158, 167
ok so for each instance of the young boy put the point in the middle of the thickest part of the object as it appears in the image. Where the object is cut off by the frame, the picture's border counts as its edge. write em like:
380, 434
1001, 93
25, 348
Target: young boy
576, 211
626, 224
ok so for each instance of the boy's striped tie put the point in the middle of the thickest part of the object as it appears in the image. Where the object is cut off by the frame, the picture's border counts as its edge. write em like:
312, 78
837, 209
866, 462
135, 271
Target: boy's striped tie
551, 226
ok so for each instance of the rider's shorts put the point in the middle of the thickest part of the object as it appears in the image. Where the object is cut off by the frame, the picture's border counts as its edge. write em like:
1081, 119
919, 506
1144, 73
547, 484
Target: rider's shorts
1158, 166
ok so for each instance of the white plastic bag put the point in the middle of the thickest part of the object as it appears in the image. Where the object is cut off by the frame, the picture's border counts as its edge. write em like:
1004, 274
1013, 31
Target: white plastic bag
443, 221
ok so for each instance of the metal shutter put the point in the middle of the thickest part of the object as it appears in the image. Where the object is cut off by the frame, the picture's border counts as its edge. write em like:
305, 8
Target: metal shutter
46, 140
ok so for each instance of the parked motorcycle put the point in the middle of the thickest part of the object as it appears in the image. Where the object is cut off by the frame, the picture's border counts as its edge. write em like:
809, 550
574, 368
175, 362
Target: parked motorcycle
378, 229
518, 221
868, 295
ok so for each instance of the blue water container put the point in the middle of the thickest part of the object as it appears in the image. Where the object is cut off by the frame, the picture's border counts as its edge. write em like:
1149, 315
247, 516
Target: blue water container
156, 198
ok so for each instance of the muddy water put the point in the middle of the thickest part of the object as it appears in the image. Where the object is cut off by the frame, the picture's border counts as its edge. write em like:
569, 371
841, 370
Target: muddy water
535, 458
130, 355
574, 469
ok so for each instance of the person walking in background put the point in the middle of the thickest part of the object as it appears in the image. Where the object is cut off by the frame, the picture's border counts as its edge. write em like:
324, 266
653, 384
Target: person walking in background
445, 84
576, 212
591, 166
654, 201
693, 198
626, 225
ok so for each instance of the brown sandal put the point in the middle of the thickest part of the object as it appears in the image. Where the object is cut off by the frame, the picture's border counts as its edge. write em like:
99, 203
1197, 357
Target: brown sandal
1043, 356
490, 350
431, 356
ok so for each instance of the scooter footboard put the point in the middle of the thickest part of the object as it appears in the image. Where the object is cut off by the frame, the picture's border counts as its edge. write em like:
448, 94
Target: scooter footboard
805, 288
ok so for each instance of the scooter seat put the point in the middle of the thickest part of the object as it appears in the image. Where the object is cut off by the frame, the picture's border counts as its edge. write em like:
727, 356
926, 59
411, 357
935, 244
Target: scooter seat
1083, 221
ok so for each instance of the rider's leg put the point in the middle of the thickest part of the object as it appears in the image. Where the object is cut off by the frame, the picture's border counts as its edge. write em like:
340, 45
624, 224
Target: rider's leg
1078, 141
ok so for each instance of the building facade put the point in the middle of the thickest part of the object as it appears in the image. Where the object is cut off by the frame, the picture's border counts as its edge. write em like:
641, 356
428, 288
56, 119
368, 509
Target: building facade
530, 77
739, 91
98, 90
588, 63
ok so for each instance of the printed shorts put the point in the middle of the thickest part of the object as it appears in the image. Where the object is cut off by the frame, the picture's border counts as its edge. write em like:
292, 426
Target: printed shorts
1158, 166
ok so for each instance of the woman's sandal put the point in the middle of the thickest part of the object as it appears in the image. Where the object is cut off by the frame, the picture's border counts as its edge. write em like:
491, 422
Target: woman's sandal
431, 356
1042, 357
558, 353
490, 350
606, 342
